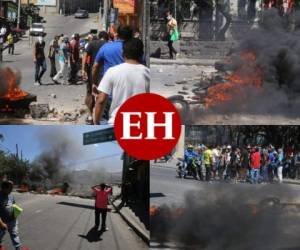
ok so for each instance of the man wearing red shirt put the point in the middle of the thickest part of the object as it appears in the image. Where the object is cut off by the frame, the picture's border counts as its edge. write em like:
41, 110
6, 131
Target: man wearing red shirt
102, 192
255, 165
74, 57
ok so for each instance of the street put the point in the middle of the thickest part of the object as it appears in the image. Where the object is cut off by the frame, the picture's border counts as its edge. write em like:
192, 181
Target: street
62, 222
183, 76
226, 203
68, 98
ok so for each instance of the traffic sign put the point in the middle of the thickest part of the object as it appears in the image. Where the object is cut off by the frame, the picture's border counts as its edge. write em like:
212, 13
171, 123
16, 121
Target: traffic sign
99, 136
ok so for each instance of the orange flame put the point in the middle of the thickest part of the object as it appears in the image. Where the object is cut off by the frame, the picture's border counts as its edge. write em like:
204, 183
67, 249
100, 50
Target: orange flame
248, 74
167, 213
13, 91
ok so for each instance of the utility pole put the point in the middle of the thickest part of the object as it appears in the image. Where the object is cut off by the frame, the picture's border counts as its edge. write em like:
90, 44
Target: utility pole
19, 14
175, 9
105, 13
17, 151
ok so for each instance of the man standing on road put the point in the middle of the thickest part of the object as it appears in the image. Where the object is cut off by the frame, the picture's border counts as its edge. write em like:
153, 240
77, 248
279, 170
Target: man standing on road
7, 219
39, 60
91, 51
207, 158
11, 43
122, 81
52, 54
102, 193
74, 58
255, 165
63, 58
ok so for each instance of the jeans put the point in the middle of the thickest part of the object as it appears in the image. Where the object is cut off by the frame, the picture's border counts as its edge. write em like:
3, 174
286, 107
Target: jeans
279, 173
74, 71
53, 71
207, 172
40, 69
13, 232
171, 49
103, 212
63, 72
254, 175
11, 49
265, 173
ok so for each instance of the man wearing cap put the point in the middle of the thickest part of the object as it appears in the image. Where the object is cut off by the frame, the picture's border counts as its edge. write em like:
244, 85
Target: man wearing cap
102, 192
8, 222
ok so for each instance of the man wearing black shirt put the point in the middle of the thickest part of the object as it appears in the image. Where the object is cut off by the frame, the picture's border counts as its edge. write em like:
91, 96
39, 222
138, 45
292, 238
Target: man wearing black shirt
91, 51
40, 60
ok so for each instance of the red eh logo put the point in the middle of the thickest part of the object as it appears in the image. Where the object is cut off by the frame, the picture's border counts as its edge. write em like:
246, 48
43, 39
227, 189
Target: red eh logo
147, 126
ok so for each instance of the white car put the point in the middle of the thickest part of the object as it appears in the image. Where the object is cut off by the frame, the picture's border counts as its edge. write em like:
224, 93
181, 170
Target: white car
37, 29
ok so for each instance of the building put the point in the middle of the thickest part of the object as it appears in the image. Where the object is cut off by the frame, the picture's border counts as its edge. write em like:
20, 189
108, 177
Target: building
127, 12
9, 10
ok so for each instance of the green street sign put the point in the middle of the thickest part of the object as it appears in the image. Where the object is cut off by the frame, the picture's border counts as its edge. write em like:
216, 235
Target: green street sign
99, 136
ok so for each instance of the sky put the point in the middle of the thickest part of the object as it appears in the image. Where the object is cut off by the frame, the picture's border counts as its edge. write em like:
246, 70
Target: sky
33, 140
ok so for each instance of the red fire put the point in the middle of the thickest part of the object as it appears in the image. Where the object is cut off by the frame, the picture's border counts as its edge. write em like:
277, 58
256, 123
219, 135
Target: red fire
11, 79
248, 74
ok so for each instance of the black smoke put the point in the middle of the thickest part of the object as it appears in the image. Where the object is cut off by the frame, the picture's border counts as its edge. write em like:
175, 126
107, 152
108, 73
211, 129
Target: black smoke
225, 217
56, 164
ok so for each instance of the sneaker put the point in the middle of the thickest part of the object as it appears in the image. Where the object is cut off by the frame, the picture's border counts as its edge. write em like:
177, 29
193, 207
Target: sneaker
104, 229
35, 84
56, 82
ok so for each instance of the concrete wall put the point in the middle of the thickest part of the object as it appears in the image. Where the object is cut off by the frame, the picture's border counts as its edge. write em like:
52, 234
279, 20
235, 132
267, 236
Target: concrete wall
179, 150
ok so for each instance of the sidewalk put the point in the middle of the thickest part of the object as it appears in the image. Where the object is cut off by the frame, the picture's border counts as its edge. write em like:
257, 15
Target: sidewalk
183, 61
133, 217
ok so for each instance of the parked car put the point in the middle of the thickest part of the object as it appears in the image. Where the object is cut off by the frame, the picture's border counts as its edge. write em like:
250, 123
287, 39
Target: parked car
81, 14
37, 29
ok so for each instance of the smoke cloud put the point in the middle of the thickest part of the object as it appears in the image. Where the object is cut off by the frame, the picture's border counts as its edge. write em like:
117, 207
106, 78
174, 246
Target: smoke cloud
227, 217
53, 166
275, 42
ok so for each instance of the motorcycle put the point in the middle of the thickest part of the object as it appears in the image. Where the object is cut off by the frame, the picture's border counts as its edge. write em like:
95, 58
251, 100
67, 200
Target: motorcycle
191, 169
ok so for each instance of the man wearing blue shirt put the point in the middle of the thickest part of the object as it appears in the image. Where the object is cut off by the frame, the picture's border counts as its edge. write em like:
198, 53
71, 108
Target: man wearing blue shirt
111, 54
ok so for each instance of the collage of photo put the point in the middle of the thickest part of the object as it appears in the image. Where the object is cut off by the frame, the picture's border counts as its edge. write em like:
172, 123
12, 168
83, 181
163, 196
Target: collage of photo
231, 69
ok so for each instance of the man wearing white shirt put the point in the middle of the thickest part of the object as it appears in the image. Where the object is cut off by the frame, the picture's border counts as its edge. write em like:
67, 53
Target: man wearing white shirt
122, 81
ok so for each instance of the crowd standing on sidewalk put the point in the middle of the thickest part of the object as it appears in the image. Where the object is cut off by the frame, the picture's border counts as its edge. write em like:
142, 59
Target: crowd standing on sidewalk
254, 164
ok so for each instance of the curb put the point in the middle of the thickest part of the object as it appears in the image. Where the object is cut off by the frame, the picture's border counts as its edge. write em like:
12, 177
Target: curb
161, 166
208, 62
140, 233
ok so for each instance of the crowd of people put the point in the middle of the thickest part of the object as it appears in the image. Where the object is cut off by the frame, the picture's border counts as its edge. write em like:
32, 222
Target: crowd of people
254, 164
112, 65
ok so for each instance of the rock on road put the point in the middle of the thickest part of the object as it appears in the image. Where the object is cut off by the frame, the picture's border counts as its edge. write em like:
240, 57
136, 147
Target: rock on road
68, 98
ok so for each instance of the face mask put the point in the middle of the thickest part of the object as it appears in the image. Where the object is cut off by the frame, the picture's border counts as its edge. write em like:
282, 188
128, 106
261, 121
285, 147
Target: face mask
169, 18
40, 39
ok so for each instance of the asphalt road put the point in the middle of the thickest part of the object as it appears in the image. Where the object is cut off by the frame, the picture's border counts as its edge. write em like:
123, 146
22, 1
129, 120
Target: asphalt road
63, 223
203, 198
68, 98
167, 188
